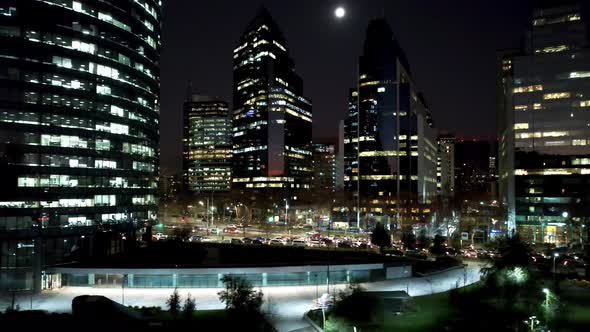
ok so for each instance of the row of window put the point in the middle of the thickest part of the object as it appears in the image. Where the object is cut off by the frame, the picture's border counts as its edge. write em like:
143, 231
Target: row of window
107, 17
74, 181
58, 120
59, 80
79, 103
56, 160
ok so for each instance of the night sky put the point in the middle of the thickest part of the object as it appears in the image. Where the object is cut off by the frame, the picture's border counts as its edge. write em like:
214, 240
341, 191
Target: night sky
451, 47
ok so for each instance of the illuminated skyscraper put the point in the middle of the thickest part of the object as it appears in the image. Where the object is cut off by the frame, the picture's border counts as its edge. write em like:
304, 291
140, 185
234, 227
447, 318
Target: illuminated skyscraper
207, 145
79, 130
396, 142
446, 165
544, 125
271, 118
324, 168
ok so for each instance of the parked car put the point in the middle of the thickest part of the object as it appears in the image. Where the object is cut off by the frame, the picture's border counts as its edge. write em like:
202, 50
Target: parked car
393, 252
344, 244
314, 243
236, 241
230, 230
277, 242
415, 254
298, 243
195, 238
247, 240
325, 242
161, 236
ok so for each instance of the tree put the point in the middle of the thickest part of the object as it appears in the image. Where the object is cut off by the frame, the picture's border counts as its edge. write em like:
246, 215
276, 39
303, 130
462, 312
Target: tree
173, 302
239, 296
380, 237
358, 308
182, 233
438, 247
513, 252
189, 305
423, 240
408, 238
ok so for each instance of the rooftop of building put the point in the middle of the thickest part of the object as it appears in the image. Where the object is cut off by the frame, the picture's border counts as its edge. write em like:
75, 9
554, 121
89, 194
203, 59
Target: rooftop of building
173, 254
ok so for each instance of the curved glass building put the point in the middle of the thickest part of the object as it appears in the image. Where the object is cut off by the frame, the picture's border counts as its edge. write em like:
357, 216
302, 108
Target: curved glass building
79, 113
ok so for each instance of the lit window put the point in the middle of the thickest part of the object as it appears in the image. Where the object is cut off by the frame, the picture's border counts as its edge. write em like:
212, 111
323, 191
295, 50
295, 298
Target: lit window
557, 95
521, 126
529, 88
579, 74
579, 142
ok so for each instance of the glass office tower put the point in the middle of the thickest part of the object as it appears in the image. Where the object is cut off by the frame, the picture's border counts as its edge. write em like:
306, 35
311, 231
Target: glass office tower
389, 137
207, 145
271, 119
79, 89
544, 147
324, 168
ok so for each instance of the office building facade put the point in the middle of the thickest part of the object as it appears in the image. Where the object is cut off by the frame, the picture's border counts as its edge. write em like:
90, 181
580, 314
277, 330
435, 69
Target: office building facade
389, 138
207, 145
79, 88
324, 168
271, 118
544, 132
445, 171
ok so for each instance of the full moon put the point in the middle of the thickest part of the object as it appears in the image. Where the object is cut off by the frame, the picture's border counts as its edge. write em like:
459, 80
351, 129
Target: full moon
339, 12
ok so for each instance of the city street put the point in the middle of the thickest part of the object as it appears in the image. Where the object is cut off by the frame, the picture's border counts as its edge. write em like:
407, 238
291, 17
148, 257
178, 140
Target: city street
286, 305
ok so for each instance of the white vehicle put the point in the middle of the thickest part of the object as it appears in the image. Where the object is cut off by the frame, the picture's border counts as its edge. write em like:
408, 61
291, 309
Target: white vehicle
160, 236
298, 243
277, 241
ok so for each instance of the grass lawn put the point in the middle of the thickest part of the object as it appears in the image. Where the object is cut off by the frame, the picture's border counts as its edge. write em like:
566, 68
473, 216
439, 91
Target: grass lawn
577, 305
431, 311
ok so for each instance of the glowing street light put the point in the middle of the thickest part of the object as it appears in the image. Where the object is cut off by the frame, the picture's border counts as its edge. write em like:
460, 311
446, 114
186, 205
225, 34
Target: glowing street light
555, 255
532, 322
339, 12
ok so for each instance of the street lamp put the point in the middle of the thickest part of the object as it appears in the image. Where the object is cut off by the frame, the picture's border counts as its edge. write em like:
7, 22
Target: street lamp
547, 294
207, 215
555, 255
287, 215
531, 322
